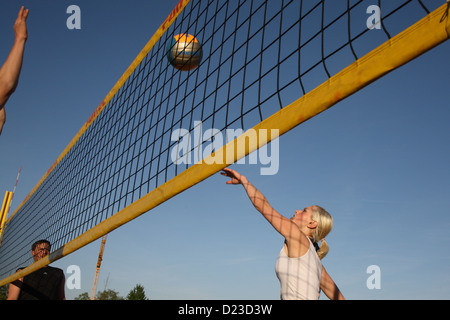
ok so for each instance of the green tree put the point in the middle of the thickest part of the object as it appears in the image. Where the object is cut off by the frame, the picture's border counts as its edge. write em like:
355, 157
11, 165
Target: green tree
4, 292
108, 294
83, 296
137, 293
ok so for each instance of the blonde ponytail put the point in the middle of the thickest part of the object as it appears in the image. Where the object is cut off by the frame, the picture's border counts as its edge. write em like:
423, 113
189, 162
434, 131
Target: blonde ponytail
324, 226
323, 250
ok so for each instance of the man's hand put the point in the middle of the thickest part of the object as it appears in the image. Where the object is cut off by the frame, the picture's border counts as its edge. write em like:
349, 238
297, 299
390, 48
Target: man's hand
20, 26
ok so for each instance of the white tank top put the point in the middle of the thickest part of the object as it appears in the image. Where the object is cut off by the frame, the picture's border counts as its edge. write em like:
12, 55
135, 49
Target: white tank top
299, 277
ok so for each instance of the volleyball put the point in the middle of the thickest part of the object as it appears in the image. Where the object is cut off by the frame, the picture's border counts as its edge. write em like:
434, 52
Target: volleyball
184, 52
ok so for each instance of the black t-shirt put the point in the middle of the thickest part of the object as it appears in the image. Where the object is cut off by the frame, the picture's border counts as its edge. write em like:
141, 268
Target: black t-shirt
43, 284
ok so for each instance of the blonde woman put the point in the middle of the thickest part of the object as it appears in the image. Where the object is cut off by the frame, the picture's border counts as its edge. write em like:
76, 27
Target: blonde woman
298, 266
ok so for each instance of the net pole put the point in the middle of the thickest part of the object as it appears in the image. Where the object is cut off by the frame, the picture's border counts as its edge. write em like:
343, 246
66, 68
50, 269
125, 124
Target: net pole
97, 270
4, 211
14, 191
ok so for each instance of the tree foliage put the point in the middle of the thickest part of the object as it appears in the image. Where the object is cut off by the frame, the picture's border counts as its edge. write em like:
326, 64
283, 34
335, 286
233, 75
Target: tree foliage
137, 293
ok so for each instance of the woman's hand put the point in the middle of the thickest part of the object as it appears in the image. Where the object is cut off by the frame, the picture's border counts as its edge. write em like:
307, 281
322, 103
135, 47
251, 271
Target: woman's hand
236, 177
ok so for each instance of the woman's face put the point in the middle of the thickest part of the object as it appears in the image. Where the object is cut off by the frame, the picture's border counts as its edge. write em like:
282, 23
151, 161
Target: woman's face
303, 217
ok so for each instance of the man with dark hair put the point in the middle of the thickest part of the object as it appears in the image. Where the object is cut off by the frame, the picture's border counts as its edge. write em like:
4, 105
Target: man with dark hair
46, 283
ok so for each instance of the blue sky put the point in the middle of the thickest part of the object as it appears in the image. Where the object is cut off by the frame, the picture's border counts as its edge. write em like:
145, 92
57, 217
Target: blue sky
377, 161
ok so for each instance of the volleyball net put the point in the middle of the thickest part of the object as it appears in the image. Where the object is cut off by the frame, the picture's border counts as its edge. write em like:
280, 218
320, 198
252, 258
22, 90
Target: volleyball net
267, 66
